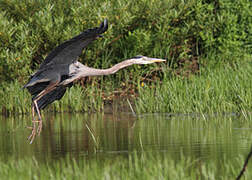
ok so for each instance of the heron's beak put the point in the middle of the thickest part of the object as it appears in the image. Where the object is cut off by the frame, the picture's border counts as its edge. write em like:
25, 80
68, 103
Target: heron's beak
153, 60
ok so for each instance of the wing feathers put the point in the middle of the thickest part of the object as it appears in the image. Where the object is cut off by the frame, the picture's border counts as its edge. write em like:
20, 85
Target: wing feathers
70, 50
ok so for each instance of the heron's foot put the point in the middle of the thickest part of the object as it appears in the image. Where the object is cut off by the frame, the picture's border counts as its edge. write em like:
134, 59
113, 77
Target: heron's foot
35, 130
39, 127
32, 136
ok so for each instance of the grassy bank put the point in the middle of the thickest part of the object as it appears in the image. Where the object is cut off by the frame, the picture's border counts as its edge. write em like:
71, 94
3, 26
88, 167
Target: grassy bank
224, 88
135, 166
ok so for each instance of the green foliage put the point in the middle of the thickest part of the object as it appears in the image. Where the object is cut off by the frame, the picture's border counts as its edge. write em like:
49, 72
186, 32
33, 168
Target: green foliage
136, 166
14, 99
176, 30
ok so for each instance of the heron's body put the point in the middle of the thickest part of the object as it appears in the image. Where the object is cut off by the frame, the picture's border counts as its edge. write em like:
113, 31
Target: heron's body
61, 68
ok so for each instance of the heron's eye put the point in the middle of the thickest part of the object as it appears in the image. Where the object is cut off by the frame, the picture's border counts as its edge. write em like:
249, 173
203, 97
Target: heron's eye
138, 57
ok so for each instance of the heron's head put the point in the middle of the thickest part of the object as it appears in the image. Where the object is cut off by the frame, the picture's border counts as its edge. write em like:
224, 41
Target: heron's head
146, 60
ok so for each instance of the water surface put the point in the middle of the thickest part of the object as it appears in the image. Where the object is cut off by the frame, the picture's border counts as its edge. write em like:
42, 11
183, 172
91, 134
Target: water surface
109, 135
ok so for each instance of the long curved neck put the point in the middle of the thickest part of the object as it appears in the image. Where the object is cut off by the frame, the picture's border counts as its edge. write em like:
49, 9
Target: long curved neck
87, 71
78, 70
118, 66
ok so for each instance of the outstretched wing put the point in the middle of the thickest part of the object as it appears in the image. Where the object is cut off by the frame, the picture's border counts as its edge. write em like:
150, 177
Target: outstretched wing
70, 50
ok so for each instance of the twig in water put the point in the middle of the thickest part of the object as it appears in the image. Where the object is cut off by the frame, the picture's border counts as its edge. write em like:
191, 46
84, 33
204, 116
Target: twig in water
141, 143
245, 165
93, 137
132, 110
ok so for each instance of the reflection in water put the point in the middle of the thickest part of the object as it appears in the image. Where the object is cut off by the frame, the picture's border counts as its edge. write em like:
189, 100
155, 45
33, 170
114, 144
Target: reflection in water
83, 135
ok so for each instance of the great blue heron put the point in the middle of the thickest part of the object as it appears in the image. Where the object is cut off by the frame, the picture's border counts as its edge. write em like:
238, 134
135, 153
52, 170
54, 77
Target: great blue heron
61, 68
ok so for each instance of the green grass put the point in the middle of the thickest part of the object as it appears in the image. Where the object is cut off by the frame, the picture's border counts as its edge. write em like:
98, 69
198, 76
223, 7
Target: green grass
135, 166
78, 99
213, 90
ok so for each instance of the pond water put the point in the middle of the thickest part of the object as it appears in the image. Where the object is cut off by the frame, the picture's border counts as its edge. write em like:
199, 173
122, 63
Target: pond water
109, 135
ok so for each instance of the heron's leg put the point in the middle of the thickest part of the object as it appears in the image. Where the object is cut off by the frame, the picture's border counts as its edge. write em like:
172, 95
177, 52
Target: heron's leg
36, 130
39, 96
39, 117
37, 109
48, 89
33, 133
33, 113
